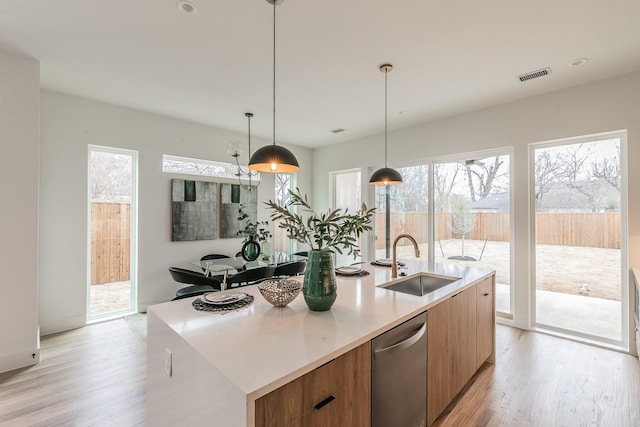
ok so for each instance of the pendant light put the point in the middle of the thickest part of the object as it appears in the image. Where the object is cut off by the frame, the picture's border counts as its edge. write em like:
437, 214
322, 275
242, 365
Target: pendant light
385, 175
235, 151
274, 158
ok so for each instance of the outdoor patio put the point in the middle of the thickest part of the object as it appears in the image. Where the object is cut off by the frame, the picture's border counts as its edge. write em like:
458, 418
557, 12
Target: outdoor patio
578, 287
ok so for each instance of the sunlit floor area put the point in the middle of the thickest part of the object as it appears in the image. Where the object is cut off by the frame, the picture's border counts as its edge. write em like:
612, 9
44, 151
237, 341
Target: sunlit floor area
96, 376
110, 297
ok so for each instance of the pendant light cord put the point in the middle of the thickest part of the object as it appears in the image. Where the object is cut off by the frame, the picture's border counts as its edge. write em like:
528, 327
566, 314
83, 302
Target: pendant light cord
249, 132
385, 117
274, 72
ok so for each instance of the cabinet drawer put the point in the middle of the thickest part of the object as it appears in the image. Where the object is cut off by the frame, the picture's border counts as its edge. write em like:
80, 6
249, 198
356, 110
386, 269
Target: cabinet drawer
347, 407
484, 287
290, 401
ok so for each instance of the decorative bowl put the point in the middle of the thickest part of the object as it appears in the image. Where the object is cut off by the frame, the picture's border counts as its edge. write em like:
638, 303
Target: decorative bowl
280, 292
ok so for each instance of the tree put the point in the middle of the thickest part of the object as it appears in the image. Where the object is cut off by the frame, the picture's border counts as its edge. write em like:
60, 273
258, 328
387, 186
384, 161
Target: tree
546, 171
608, 169
443, 184
110, 176
481, 177
575, 174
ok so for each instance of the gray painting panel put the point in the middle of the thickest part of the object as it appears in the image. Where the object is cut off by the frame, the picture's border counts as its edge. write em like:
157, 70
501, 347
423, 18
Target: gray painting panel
194, 220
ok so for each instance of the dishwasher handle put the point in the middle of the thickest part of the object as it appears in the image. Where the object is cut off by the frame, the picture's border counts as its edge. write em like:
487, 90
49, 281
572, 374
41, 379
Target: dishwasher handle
406, 343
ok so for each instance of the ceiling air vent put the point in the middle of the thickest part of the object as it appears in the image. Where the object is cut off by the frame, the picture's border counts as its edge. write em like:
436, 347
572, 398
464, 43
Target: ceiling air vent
338, 130
534, 74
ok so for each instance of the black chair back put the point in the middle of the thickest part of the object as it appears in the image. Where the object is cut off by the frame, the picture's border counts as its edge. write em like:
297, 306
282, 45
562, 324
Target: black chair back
251, 276
182, 275
198, 283
292, 268
214, 256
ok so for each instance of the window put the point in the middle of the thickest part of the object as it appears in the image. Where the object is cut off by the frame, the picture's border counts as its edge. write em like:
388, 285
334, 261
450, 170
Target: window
403, 209
112, 206
283, 183
188, 166
580, 282
347, 194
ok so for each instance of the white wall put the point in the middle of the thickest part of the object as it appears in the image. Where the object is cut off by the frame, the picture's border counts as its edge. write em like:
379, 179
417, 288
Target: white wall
603, 106
69, 125
19, 136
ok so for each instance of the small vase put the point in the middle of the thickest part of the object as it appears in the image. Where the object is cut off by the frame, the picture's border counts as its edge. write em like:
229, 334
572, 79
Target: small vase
319, 285
266, 250
251, 249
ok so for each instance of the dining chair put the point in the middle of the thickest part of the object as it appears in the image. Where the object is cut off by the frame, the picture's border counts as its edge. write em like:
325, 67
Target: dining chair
250, 276
198, 282
211, 257
292, 268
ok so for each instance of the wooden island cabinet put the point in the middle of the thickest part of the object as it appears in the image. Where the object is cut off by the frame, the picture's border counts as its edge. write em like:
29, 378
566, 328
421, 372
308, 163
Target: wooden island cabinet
263, 366
336, 393
460, 338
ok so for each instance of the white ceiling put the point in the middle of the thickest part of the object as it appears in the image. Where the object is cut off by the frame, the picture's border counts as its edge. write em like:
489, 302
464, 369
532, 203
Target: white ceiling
212, 67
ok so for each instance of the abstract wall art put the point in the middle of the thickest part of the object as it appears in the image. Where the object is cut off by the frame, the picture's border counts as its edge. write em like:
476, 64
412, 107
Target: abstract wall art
194, 210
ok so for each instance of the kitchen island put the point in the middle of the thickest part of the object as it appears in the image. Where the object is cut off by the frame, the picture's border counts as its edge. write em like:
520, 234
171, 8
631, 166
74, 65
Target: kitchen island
207, 368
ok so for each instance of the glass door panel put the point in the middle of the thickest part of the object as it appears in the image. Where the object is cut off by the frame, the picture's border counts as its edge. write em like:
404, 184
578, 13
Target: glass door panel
347, 194
472, 218
403, 209
112, 175
578, 256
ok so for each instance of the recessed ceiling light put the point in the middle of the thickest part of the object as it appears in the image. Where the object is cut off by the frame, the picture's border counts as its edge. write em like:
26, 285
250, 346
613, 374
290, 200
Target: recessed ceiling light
578, 62
186, 7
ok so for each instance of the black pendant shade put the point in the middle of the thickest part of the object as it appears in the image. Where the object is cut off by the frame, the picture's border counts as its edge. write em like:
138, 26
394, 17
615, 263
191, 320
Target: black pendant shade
385, 176
274, 159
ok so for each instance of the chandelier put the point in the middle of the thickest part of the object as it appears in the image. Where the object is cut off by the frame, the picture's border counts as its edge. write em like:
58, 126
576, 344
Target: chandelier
252, 178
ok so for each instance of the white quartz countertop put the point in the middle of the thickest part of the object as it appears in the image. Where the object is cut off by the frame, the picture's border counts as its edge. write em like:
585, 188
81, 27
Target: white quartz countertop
261, 347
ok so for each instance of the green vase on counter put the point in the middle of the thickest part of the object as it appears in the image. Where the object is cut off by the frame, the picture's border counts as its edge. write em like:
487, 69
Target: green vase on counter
319, 285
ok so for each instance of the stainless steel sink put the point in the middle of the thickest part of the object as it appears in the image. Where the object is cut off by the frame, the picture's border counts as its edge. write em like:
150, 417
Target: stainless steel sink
421, 284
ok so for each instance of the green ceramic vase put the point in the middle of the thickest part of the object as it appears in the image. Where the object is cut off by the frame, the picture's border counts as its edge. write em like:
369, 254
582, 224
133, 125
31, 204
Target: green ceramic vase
251, 249
319, 285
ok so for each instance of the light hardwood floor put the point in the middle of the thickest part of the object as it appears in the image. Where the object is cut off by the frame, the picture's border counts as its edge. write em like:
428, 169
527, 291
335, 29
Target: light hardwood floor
540, 380
95, 376
92, 376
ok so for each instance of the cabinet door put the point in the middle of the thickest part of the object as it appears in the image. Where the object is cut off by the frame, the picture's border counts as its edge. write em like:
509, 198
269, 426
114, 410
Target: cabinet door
464, 327
440, 348
451, 349
485, 315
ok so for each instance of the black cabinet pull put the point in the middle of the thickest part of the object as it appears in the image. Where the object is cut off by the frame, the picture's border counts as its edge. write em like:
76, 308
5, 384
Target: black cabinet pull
325, 402
486, 294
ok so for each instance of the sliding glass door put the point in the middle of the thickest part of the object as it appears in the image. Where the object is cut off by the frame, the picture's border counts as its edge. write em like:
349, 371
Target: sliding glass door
112, 232
580, 287
472, 209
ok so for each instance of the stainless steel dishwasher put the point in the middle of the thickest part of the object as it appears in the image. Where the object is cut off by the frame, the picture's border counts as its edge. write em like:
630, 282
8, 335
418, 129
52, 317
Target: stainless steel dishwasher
399, 375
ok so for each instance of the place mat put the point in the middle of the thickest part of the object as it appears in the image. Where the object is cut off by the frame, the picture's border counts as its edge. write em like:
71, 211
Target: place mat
348, 272
385, 263
200, 305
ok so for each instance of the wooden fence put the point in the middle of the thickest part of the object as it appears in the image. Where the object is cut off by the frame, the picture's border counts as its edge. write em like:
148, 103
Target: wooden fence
110, 233
110, 242
599, 230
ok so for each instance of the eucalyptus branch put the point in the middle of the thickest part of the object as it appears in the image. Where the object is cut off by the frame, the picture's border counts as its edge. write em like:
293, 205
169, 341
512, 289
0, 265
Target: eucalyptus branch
336, 229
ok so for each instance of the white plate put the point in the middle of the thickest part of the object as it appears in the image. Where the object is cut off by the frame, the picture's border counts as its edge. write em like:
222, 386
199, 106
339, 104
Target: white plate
222, 299
349, 270
384, 261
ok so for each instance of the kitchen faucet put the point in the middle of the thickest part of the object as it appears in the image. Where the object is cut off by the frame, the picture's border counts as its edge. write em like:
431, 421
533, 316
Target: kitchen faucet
394, 266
